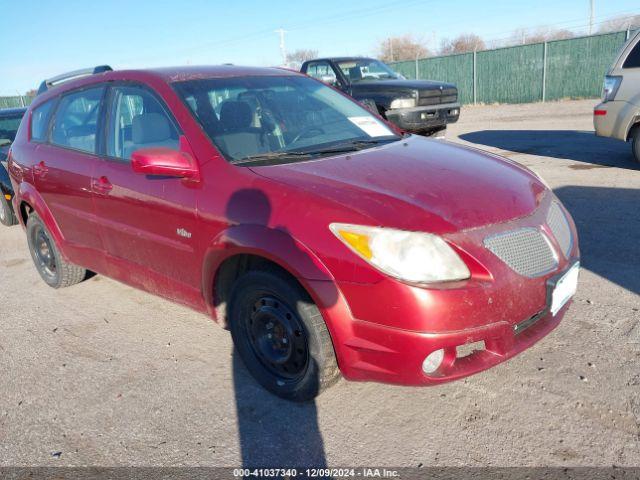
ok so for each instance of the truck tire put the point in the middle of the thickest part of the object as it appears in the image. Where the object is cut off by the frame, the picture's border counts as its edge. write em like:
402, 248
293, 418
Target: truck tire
281, 336
54, 270
7, 217
635, 145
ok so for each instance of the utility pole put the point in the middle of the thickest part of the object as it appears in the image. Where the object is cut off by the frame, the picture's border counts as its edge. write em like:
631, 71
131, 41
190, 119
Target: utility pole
283, 50
593, 7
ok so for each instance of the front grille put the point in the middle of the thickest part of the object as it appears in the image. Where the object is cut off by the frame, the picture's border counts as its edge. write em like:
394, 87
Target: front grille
437, 96
527, 251
559, 226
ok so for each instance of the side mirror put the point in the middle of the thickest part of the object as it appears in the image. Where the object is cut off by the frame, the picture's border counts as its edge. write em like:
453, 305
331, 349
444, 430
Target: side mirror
166, 162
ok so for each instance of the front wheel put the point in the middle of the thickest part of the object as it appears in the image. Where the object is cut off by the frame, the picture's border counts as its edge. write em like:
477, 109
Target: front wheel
635, 145
281, 336
54, 270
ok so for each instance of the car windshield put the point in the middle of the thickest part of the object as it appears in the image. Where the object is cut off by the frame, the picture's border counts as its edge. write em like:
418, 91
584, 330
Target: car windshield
8, 128
278, 119
364, 69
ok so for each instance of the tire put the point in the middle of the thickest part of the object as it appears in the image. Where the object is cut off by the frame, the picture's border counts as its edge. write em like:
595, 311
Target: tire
7, 217
635, 145
54, 270
281, 336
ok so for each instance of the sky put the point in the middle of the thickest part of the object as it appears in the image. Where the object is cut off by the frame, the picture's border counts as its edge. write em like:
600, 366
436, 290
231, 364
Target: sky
42, 38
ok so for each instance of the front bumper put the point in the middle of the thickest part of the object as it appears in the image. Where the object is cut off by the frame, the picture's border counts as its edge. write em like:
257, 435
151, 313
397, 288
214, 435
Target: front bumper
420, 119
384, 331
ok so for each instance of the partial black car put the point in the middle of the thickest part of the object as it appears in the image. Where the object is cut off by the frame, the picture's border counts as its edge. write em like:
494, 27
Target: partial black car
424, 107
9, 122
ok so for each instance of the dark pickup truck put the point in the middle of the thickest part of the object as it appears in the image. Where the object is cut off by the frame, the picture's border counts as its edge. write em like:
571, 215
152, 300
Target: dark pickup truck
418, 106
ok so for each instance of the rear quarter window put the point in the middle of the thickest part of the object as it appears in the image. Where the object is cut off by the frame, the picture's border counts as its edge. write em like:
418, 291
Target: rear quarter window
633, 60
40, 120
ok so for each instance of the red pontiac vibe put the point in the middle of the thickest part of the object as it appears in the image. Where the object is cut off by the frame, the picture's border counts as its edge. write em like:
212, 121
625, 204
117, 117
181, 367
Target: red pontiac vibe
326, 240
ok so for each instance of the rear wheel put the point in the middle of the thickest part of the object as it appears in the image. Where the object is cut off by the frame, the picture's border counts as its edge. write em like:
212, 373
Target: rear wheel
54, 270
281, 336
7, 216
635, 145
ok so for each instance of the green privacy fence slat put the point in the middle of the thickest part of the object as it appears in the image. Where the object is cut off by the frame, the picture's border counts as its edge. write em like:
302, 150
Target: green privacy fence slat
13, 102
510, 75
574, 69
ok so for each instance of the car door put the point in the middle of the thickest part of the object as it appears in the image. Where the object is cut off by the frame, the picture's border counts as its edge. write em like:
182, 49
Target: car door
146, 221
65, 161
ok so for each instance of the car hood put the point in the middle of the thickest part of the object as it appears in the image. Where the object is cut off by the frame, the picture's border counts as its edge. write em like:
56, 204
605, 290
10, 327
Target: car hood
418, 184
401, 84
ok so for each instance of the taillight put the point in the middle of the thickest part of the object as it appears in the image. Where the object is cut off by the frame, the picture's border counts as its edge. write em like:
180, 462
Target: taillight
610, 87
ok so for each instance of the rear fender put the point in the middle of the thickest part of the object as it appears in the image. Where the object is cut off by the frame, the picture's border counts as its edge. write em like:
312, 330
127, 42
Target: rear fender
28, 193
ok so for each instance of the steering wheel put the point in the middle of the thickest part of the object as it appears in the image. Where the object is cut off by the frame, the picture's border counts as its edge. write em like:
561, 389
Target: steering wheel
306, 131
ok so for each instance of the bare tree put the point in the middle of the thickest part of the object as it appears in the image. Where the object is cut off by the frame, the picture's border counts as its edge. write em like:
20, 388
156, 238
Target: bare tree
301, 55
619, 24
406, 47
464, 43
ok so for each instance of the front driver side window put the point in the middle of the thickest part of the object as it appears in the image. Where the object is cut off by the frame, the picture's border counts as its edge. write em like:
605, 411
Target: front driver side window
138, 120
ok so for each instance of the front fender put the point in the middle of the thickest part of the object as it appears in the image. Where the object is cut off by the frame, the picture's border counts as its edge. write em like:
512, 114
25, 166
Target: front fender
275, 245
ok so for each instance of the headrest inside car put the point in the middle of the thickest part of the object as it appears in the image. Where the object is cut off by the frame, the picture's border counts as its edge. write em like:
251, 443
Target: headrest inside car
150, 128
235, 115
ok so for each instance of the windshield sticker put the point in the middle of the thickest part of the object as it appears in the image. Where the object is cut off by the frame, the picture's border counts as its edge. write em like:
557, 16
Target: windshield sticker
370, 126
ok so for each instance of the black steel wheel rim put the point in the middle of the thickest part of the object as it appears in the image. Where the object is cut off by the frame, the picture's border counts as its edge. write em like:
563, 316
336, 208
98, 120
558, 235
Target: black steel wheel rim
277, 338
43, 251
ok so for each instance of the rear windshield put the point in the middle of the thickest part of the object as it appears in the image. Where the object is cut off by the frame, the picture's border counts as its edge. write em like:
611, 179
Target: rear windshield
248, 117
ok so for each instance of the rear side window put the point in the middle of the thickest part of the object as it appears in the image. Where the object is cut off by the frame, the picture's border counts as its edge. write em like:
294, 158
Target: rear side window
40, 120
75, 124
138, 120
633, 60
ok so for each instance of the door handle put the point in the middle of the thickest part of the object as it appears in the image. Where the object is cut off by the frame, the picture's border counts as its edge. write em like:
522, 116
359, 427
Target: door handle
101, 185
40, 168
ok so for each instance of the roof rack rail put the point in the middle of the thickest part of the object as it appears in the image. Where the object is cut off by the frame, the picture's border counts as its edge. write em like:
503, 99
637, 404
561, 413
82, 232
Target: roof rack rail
50, 82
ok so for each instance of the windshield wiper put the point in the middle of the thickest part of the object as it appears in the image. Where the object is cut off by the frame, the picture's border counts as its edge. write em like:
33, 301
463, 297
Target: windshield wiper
343, 147
350, 146
269, 156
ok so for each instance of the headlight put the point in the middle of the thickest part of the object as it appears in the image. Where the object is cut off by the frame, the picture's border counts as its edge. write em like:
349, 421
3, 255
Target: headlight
411, 256
403, 103
610, 88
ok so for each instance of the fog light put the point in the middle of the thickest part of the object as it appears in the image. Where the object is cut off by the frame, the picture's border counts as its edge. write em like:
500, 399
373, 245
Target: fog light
433, 361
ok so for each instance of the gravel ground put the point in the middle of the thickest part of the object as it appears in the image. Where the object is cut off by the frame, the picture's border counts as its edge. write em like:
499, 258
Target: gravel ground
101, 374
